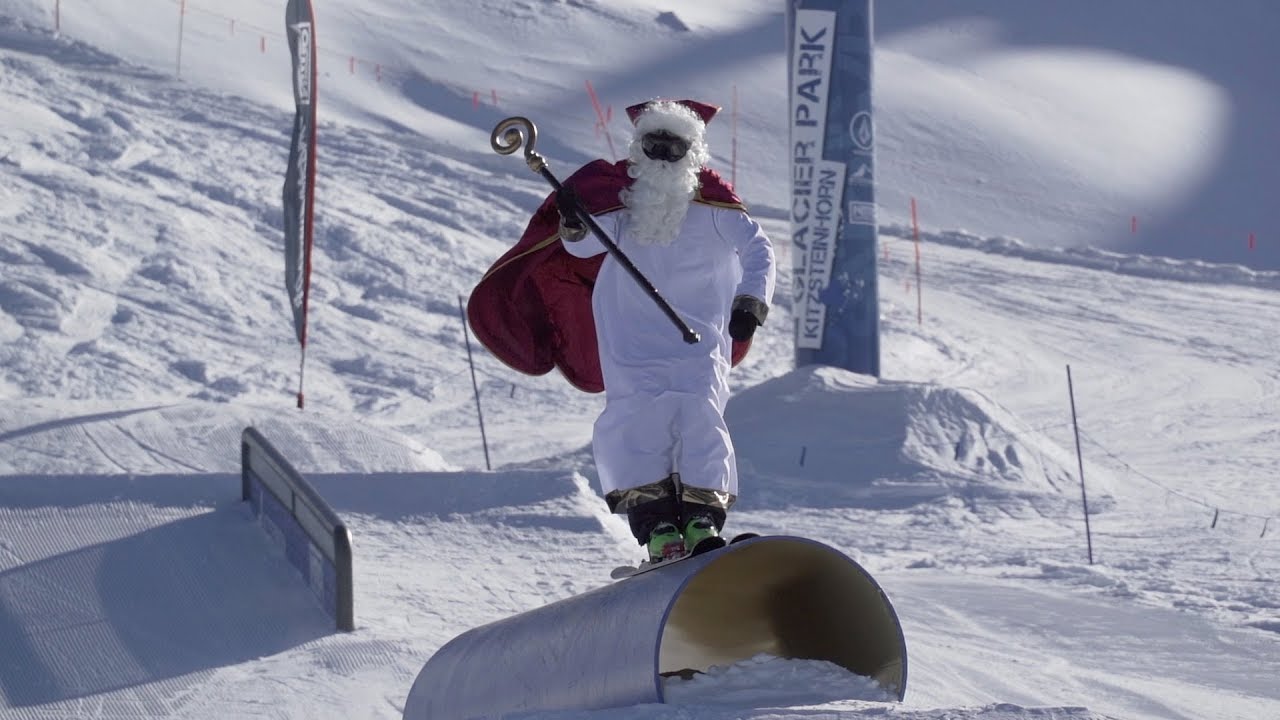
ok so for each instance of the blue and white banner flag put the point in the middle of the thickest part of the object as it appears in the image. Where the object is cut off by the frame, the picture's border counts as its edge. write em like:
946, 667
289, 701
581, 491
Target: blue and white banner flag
300, 176
833, 212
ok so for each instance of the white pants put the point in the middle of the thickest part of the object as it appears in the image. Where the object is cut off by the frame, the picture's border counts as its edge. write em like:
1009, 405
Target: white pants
641, 439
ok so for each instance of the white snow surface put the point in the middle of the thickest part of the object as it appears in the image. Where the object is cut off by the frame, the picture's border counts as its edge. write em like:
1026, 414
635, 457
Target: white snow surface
143, 325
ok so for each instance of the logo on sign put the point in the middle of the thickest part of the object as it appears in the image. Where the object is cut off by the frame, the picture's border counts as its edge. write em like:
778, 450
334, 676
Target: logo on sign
861, 131
862, 213
302, 63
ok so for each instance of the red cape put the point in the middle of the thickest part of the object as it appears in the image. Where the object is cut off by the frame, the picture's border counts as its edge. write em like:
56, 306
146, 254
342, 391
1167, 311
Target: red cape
532, 309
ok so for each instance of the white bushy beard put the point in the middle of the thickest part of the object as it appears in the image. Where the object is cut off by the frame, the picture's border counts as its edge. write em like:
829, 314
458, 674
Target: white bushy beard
658, 199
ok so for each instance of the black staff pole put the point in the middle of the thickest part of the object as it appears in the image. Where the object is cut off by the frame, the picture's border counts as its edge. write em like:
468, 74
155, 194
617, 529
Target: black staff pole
513, 132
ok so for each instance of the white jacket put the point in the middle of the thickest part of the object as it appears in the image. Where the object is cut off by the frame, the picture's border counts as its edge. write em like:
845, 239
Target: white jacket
665, 398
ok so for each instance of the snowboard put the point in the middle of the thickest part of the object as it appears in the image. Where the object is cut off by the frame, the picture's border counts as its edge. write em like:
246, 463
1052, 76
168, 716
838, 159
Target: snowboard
709, 545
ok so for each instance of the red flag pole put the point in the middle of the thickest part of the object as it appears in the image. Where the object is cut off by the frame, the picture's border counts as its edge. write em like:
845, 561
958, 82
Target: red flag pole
182, 17
600, 117
915, 231
733, 162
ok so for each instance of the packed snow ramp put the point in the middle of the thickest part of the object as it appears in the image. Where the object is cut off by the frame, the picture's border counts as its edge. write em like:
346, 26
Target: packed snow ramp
785, 596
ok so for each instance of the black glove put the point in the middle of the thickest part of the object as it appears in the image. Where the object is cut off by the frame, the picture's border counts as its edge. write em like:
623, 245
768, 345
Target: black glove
568, 203
748, 314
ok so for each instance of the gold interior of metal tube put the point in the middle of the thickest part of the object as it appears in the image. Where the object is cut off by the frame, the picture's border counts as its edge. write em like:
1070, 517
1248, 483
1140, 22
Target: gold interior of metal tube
788, 599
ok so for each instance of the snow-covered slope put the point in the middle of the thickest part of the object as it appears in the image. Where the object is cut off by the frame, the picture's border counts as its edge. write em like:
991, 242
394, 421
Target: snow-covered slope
1141, 126
143, 324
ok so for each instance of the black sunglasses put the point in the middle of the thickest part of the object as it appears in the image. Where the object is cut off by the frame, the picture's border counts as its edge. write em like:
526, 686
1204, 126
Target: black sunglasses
664, 145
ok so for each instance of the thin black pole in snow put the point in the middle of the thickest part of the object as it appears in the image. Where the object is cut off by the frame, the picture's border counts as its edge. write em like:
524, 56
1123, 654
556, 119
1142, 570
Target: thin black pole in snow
1080, 459
474, 386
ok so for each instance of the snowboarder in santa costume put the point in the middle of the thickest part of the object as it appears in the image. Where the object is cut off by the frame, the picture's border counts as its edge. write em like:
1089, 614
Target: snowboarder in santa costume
661, 446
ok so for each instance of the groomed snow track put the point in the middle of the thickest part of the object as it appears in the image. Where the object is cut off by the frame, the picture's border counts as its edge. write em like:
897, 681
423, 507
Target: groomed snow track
786, 596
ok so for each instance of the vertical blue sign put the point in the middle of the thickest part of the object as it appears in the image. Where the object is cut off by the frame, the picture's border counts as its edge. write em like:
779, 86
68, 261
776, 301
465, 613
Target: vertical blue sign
833, 211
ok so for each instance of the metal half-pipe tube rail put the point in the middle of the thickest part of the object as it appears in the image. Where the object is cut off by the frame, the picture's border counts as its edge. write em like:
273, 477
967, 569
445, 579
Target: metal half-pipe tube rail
786, 596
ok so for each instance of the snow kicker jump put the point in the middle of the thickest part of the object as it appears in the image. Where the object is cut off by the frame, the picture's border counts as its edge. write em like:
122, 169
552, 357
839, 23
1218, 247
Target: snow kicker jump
785, 596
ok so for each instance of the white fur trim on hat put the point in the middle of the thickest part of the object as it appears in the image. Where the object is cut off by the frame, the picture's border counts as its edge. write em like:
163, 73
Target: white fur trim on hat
671, 116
